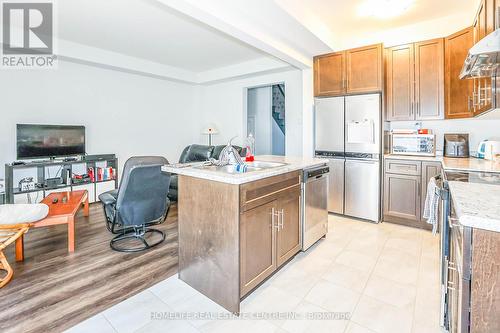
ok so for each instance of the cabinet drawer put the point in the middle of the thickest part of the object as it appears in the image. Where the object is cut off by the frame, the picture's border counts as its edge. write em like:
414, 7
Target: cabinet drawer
265, 190
413, 168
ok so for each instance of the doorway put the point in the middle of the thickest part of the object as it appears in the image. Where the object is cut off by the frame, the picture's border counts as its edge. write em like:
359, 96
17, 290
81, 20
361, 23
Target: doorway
266, 119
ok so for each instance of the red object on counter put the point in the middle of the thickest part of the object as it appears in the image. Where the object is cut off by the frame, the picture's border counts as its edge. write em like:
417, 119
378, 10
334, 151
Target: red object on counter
423, 131
249, 158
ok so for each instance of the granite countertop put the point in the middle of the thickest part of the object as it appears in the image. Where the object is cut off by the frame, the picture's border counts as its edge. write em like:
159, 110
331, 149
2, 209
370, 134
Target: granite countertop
471, 164
292, 164
477, 205
449, 163
414, 157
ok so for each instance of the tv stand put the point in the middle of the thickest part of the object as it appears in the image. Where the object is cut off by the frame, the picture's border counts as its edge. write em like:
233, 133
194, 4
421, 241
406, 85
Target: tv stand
40, 162
40, 171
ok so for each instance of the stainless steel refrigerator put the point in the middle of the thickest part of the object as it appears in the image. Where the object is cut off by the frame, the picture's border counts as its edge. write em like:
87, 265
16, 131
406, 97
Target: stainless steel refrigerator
348, 134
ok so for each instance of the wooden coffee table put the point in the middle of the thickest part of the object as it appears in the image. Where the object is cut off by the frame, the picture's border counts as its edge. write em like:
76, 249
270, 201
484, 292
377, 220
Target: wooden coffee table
61, 212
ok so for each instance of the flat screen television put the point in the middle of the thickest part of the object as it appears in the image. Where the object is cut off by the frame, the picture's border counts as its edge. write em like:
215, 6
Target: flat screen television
39, 141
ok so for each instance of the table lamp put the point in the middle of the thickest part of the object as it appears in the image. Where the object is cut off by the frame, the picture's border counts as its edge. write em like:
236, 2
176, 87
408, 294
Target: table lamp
210, 130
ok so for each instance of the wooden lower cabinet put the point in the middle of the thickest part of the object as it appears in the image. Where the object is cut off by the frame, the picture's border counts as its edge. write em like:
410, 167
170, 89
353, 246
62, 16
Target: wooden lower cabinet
270, 232
485, 282
288, 231
401, 197
405, 190
257, 245
473, 280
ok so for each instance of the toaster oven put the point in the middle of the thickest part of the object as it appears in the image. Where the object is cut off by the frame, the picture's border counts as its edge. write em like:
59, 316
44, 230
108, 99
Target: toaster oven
413, 144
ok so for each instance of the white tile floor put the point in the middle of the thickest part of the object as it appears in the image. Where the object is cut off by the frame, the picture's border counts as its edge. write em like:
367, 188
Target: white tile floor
384, 276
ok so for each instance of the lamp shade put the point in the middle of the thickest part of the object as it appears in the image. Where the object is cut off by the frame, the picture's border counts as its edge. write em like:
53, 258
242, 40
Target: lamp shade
210, 130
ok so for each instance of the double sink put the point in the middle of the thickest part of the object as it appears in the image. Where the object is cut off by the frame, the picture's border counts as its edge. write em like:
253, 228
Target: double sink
251, 167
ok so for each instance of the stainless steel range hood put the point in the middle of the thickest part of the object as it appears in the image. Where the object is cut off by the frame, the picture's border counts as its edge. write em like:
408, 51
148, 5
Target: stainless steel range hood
484, 58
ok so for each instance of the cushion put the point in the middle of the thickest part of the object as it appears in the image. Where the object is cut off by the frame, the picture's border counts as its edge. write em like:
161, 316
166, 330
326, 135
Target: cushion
218, 150
22, 213
196, 153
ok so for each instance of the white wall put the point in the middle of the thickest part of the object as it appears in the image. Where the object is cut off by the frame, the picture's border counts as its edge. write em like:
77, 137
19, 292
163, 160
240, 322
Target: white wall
123, 113
259, 107
421, 31
278, 138
224, 104
478, 129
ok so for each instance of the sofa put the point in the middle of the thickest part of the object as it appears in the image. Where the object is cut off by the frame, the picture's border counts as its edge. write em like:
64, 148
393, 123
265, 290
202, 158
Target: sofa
197, 153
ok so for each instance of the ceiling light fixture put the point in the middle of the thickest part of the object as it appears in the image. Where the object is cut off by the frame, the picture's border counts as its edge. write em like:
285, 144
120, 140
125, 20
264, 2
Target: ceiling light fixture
384, 8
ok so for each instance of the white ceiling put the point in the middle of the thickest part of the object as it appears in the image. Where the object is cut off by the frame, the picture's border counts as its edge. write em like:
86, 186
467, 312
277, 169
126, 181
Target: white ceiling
338, 19
183, 39
148, 30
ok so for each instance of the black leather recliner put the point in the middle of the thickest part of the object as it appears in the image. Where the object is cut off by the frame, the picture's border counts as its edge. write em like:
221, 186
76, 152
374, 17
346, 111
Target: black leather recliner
196, 153
140, 202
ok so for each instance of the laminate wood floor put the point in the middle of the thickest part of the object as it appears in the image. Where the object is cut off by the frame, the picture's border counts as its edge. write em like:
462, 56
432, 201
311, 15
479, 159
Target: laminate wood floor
52, 290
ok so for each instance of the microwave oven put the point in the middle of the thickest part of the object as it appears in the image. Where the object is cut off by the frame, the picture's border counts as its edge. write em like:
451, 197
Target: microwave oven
413, 144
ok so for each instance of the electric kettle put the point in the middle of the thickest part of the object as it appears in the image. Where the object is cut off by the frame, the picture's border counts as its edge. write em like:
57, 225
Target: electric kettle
488, 149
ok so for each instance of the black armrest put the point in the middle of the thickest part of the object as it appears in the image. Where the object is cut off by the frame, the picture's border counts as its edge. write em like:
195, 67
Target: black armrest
113, 193
107, 199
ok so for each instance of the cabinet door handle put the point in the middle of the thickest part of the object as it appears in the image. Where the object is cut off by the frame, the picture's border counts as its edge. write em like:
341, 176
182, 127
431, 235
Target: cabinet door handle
469, 103
281, 218
274, 214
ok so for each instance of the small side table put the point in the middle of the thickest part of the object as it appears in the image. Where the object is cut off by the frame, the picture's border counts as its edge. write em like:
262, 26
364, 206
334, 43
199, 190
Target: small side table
61, 212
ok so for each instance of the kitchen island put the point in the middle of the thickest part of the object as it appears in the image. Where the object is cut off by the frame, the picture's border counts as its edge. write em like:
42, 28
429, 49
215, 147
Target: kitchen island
237, 229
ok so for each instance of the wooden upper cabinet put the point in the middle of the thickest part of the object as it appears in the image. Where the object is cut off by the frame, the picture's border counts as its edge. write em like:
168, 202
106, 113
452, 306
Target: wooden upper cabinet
364, 69
429, 82
354, 71
480, 22
414, 81
329, 74
399, 82
458, 93
492, 14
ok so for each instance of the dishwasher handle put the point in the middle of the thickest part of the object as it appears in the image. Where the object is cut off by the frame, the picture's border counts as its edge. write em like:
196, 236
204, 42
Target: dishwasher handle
316, 173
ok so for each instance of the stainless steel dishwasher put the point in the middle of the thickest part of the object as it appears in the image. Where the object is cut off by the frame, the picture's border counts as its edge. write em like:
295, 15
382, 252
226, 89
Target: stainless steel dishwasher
314, 205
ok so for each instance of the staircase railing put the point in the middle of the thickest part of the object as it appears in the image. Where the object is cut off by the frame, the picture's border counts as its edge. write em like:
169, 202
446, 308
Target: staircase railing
277, 112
